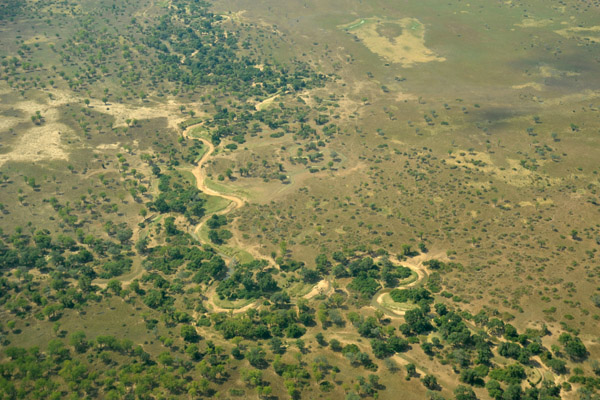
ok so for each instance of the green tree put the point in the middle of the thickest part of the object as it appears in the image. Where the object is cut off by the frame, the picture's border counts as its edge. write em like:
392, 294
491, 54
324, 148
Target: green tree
411, 370
78, 341
189, 334
165, 358
115, 286
57, 350
573, 345
464, 393
124, 234
430, 382
256, 356
494, 389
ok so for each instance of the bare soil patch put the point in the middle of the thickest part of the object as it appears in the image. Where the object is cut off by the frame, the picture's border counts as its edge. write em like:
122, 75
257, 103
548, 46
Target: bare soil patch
399, 41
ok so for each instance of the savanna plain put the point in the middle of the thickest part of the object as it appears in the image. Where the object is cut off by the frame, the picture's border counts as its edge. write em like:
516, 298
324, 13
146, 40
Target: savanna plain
335, 199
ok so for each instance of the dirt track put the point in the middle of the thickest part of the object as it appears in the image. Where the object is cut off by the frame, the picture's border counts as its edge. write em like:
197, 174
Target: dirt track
200, 175
416, 265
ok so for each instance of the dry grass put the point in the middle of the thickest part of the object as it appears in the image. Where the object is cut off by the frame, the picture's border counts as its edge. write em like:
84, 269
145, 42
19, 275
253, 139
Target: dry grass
581, 33
398, 41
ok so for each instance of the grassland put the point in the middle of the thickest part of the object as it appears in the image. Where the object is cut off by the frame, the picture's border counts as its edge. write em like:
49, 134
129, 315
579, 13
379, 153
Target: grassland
325, 134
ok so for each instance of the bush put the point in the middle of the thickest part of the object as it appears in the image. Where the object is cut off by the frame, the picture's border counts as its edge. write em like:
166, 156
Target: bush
189, 334
335, 345
414, 295
574, 347
430, 382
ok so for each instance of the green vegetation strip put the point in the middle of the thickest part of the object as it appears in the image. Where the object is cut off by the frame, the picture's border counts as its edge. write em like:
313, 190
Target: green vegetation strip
356, 25
232, 304
237, 254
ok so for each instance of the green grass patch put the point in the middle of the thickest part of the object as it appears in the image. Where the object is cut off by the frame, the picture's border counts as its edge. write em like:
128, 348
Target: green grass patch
188, 176
354, 25
240, 255
300, 289
200, 132
217, 187
407, 281
201, 154
215, 204
387, 304
189, 122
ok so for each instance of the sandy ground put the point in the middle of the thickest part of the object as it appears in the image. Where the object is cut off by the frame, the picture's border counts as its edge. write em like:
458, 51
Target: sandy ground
406, 49
415, 264
47, 140
323, 287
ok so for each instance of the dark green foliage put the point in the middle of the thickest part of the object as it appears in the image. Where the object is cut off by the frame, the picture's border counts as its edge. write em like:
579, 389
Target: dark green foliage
335, 345
356, 357
216, 221
390, 346
248, 282
292, 371
339, 271
256, 357
280, 299
510, 332
310, 275
513, 392
510, 350
438, 265
323, 265
454, 330
170, 227
430, 382
558, 366
116, 268
367, 286
512, 374
157, 299
392, 274
464, 393
294, 331
471, 377
364, 266
547, 391
411, 370
573, 345
381, 349
219, 236
206, 265
289, 265
214, 269
494, 389
320, 338
240, 326
367, 327
189, 334
496, 326
414, 295
276, 345
179, 197
78, 341
441, 309
434, 282
417, 322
